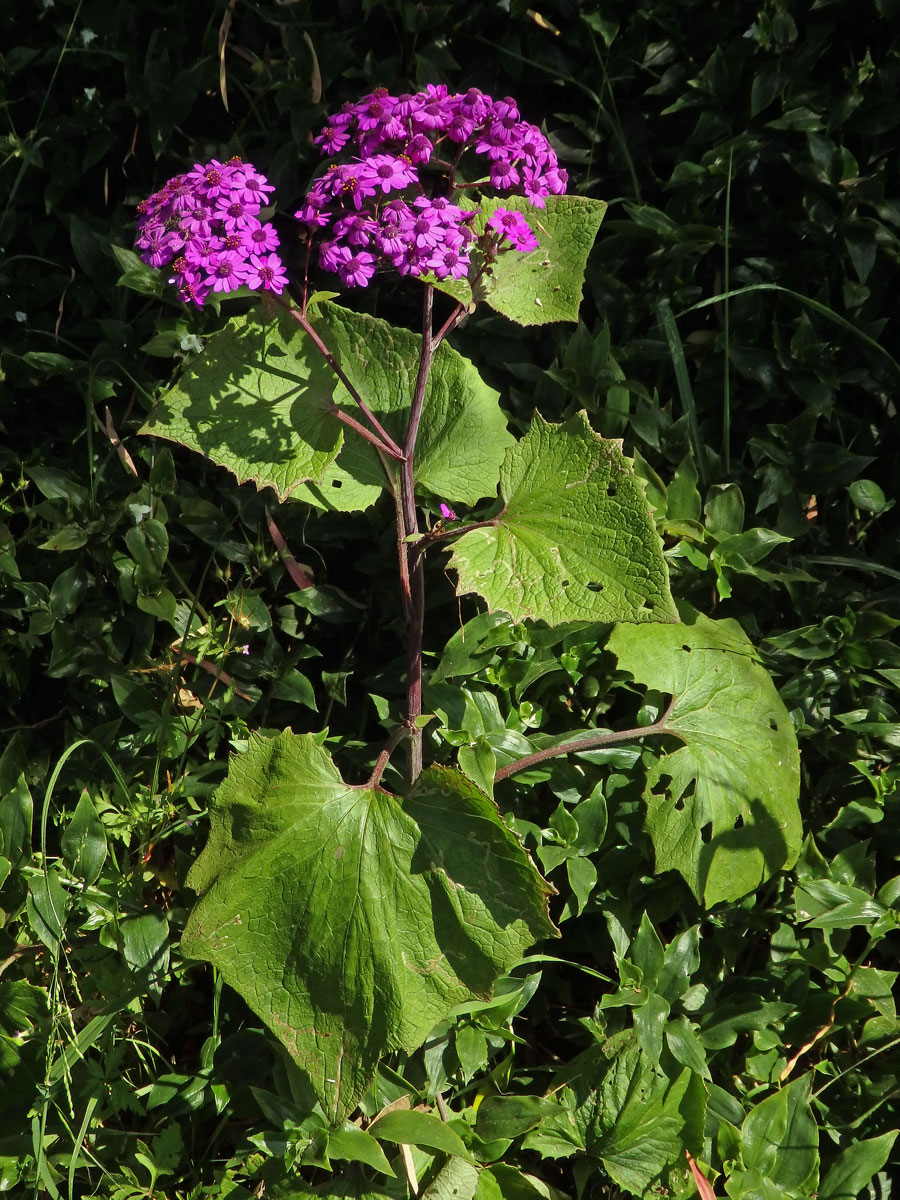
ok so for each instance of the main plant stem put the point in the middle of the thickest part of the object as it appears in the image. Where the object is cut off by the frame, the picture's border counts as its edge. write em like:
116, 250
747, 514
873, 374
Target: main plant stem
411, 563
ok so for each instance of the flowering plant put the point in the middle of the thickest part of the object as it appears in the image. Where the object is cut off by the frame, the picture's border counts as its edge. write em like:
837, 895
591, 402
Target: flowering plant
353, 918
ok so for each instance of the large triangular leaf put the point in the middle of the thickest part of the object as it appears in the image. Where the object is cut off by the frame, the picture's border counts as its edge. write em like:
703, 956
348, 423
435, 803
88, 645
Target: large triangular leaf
575, 540
722, 809
256, 401
462, 435
543, 285
350, 920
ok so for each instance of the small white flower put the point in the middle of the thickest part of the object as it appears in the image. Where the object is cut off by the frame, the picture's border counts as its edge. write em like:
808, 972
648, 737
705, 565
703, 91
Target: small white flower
21, 317
190, 344
47, 4
89, 94
87, 36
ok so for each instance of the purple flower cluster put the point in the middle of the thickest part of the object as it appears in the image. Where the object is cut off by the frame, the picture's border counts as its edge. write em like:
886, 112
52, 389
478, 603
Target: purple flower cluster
382, 208
206, 223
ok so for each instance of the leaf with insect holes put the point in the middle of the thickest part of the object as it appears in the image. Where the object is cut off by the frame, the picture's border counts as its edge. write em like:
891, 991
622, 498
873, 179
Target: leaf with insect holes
721, 808
575, 540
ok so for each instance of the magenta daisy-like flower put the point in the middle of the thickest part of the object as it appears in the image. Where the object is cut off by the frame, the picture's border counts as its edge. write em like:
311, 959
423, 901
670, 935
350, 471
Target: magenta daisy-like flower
388, 173
238, 215
263, 238
356, 229
159, 247
358, 269
514, 227
266, 271
226, 274
333, 138
418, 149
449, 261
212, 179
250, 187
504, 175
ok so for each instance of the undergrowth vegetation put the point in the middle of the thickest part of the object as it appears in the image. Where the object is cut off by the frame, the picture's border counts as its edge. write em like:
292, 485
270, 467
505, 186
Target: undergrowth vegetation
688, 1033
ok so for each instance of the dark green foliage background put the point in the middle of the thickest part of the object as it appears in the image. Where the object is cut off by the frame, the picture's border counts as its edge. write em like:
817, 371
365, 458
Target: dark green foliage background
779, 404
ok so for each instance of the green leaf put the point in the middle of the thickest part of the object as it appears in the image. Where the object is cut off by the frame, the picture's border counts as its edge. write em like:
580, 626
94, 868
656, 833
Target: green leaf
148, 544
825, 904
350, 920
514, 1185
479, 763
462, 435
855, 1166
355, 1145
16, 816
418, 1129
647, 952
22, 1006
69, 537
145, 945
456, 1180
510, 1116
722, 809
685, 1046
780, 1140
47, 903
643, 1123
256, 401
867, 496
83, 843
575, 539
546, 284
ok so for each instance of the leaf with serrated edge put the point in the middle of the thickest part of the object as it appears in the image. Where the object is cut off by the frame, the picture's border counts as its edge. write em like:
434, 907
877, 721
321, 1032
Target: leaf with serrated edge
543, 285
255, 401
575, 540
350, 920
462, 436
722, 809
643, 1121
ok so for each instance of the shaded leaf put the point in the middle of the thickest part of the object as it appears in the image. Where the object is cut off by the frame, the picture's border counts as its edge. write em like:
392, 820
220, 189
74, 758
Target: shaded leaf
256, 401
83, 843
46, 905
855, 1166
780, 1140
